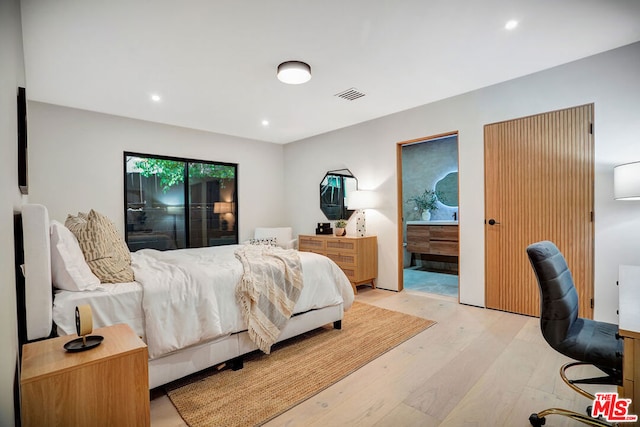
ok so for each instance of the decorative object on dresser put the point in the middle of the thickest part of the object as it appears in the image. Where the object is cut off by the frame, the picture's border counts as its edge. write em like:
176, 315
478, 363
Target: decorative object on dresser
106, 386
356, 256
361, 200
324, 228
341, 225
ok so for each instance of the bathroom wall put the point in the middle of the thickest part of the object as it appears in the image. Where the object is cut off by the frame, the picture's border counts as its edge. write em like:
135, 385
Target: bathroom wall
423, 165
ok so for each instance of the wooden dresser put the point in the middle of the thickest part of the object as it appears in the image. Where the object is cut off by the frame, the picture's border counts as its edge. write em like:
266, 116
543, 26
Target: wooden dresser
105, 386
356, 256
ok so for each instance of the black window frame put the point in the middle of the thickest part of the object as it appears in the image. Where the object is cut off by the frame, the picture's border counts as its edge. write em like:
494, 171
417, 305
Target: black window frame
187, 210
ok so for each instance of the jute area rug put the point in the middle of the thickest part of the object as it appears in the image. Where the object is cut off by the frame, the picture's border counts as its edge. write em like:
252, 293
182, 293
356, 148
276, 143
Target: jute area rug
295, 370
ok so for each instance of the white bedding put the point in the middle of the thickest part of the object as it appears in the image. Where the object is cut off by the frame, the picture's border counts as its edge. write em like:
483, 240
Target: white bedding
173, 304
110, 304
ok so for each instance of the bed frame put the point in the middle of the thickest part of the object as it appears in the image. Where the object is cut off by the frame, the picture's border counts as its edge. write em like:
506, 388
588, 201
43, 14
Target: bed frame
39, 311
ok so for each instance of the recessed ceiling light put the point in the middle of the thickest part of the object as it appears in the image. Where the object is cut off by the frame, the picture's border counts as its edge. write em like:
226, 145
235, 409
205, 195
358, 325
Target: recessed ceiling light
510, 25
155, 97
265, 123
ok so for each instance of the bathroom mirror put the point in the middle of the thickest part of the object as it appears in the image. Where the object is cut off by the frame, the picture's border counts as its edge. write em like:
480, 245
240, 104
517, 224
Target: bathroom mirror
334, 188
447, 190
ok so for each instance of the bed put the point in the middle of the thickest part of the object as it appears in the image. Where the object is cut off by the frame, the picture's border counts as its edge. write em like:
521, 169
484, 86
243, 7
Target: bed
325, 295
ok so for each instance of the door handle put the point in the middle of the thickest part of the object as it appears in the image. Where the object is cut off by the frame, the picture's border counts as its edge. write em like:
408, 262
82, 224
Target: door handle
493, 222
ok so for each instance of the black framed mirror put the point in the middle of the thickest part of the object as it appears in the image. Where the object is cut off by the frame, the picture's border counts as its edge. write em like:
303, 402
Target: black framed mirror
334, 189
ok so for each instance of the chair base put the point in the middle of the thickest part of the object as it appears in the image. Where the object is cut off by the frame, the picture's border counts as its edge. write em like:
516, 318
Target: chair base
610, 379
538, 419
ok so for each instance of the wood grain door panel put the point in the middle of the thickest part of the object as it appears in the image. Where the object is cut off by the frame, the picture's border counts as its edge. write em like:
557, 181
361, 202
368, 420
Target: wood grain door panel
538, 186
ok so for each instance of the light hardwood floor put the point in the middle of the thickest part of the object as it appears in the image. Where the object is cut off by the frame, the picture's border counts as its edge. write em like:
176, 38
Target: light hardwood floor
475, 367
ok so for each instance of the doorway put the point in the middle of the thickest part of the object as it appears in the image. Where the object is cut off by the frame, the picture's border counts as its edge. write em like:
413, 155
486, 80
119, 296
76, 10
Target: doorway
539, 175
428, 215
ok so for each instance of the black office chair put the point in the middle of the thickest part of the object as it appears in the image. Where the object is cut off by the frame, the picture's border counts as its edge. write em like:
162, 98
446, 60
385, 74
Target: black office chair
587, 341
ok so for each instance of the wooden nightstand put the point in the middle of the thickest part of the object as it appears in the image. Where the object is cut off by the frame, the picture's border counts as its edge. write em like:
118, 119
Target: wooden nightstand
356, 256
105, 386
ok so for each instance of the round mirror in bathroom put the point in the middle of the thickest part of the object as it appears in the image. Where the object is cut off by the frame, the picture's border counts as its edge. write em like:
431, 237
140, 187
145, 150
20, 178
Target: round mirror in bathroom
447, 190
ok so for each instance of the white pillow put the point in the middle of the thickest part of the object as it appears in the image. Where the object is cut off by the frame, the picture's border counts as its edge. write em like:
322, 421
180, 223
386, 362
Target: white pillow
69, 270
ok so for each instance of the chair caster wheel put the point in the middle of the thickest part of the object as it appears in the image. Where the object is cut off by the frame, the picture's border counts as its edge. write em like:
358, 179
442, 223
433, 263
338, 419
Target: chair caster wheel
536, 421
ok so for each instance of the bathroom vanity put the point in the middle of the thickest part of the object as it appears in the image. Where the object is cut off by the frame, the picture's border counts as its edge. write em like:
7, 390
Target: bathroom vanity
433, 237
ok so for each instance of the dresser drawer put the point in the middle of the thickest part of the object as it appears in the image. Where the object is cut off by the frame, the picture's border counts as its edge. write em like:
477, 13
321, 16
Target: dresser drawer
357, 257
350, 272
343, 259
311, 244
342, 246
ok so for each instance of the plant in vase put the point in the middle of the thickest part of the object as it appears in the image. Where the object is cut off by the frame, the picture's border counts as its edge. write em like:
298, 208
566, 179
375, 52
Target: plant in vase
425, 203
340, 226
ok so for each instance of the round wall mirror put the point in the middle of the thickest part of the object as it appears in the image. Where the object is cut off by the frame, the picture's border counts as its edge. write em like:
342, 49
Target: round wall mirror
447, 189
334, 189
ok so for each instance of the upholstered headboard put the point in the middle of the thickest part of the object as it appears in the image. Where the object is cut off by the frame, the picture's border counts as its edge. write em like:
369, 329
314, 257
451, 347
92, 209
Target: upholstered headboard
37, 271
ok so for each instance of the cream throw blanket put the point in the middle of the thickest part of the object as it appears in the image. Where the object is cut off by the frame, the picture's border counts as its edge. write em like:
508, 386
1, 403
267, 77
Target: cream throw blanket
268, 292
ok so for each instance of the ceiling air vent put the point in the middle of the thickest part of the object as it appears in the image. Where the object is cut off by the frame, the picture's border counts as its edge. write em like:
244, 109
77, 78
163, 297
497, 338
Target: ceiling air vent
350, 94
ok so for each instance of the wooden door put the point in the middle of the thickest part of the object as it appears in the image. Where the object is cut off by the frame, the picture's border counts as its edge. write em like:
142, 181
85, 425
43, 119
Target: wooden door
538, 186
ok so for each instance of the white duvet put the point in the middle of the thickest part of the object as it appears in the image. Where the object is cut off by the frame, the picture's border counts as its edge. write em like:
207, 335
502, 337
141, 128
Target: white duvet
188, 295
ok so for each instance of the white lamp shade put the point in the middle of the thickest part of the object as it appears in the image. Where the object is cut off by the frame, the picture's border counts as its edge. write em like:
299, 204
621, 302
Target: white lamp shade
361, 199
626, 181
294, 72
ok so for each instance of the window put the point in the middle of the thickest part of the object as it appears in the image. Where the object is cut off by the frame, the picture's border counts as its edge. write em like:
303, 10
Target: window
174, 203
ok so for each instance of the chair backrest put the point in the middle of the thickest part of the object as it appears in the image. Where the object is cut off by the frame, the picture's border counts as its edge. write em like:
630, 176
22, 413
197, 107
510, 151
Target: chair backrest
558, 296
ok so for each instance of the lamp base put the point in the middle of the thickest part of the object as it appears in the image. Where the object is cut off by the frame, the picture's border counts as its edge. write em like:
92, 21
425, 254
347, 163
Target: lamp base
361, 226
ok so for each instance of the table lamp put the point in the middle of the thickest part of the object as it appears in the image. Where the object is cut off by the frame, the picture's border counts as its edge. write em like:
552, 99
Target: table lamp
361, 200
626, 181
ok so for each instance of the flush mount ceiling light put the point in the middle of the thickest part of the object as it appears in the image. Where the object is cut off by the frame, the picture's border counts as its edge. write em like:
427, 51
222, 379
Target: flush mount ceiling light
294, 72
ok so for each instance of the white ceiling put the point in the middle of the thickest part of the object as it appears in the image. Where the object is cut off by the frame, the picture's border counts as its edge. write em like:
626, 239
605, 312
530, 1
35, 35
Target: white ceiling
214, 62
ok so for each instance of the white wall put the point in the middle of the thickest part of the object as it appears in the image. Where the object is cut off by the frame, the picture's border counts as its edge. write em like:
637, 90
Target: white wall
11, 76
76, 164
610, 80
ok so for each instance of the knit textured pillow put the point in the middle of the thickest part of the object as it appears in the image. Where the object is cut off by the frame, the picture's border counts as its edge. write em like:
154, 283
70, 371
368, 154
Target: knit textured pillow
104, 250
119, 245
